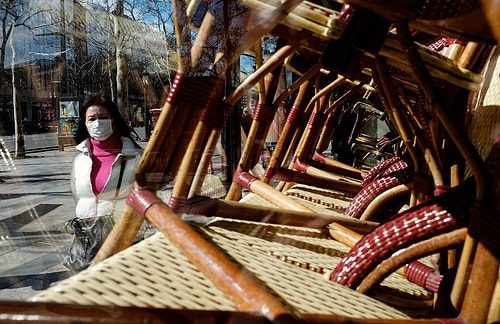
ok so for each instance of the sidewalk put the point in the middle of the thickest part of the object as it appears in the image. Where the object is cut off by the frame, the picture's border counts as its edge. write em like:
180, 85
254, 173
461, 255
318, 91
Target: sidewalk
35, 201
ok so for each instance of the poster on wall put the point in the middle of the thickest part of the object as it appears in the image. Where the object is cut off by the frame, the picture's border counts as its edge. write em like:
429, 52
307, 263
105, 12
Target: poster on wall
69, 108
68, 117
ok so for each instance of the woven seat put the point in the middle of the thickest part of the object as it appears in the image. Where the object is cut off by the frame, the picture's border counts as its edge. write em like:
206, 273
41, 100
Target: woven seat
416, 305
149, 274
305, 197
439, 66
316, 19
329, 199
291, 263
388, 175
337, 201
312, 249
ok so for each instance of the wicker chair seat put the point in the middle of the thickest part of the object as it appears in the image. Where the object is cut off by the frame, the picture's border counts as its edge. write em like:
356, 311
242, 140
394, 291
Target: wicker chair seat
312, 249
306, 198
439, 66
330, 200
152, 273
288, 260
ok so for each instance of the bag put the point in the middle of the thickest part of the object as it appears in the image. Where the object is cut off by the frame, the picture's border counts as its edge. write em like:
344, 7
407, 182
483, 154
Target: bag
89, 235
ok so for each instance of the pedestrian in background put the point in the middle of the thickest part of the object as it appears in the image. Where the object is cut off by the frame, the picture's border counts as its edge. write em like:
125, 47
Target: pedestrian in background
102, 175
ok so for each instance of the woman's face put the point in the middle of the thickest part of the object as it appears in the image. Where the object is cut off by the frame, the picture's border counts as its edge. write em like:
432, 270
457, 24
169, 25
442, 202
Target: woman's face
99, 123
96, 112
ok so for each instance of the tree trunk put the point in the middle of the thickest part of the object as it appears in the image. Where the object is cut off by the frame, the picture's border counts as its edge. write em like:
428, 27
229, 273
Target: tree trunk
16, 103
118, 8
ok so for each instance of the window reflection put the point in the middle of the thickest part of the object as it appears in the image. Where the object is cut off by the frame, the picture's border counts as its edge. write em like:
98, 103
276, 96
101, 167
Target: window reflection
53, 55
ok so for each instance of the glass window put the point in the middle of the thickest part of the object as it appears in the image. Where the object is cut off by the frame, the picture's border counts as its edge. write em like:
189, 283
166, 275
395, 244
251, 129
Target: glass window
54, 55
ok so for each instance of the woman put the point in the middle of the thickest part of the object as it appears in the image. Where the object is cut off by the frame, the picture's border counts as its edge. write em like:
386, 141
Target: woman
104, 143
102, 175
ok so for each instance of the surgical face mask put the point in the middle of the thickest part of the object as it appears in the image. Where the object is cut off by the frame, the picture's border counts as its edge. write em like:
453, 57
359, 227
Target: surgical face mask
100, 129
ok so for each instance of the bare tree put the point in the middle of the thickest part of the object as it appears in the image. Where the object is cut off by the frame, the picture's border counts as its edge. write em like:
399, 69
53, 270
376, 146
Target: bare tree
106, 48
121, 63
14, 14
126, 43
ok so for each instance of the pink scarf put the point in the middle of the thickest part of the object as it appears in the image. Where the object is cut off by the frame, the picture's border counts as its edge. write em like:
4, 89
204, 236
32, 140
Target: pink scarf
103, 155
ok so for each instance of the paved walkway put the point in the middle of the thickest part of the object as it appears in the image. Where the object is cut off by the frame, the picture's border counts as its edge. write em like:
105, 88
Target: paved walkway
35, 201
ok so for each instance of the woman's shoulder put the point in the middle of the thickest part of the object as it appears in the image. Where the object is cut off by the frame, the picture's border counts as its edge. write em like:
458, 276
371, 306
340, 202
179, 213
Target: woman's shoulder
81, 156
83, 146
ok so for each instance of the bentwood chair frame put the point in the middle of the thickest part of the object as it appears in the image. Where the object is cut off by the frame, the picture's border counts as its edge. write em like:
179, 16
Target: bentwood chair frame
251, 296
267, 100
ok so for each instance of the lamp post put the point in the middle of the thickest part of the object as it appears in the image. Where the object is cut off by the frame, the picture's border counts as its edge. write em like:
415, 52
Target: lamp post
147, 123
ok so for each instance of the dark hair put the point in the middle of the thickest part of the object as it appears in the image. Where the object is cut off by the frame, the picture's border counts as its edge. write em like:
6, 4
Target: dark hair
121, 126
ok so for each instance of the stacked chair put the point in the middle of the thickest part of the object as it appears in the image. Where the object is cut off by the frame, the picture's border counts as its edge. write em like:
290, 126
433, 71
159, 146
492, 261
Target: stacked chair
276, 260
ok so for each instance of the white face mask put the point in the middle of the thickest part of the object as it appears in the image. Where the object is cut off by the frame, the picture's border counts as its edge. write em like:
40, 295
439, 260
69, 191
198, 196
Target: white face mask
100, 129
